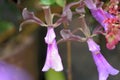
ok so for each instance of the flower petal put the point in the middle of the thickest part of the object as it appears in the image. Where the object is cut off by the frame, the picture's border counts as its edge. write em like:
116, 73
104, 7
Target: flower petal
93, 47
53, 59
104, 68
101, 15
109, 68
50, 35
90, 4
56, 60
30, 15
66, 33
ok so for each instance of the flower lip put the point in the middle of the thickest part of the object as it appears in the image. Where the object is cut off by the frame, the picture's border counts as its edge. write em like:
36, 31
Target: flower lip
50, 35
53, 59
104, 68
93, 47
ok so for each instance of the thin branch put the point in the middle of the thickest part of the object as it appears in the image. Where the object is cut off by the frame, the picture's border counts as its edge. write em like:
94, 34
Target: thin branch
69, 63
69, 68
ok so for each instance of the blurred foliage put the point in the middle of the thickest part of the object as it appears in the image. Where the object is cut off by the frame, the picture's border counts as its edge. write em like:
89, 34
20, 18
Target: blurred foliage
69, 1
51, 2
7, 29
9, 11
47, 2
61, 2
4, 26
52, 75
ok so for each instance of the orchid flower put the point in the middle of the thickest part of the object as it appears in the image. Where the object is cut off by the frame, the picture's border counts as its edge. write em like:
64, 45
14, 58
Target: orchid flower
103, 67
109, 22
53, 59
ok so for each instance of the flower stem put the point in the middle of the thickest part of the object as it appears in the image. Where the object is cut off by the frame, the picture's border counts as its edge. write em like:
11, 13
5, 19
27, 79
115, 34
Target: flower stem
69, 67
69, 73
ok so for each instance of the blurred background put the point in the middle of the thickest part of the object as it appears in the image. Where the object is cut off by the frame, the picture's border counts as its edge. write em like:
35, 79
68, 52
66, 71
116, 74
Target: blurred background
27, 49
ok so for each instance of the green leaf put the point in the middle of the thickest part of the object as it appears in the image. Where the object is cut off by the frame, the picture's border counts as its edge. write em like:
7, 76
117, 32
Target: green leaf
52, 75
4, 26
47, 2
61, 2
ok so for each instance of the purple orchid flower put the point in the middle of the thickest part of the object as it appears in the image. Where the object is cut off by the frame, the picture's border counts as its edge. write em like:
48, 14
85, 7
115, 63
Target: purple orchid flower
10, 72
53, 59
104, 68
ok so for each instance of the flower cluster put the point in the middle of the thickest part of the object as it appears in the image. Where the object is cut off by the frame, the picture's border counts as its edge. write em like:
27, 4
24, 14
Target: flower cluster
53, 59
108, 18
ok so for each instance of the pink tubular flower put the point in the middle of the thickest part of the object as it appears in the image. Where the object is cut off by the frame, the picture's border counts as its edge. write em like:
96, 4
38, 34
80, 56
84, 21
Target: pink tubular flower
53, 59
103, 67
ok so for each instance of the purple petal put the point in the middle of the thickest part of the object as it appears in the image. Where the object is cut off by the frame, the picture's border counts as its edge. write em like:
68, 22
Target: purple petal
104, 68
26, 14
10, 72
60, 21
98, 13
90, 4
68, 13
53, 59
66, 33
50, 35
101, 16
103, 75
31, 16
109, 68
93, 47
